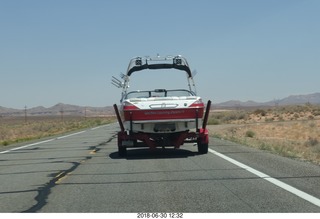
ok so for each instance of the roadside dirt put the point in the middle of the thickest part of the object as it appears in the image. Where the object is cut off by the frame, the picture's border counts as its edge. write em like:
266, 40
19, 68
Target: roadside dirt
291, 132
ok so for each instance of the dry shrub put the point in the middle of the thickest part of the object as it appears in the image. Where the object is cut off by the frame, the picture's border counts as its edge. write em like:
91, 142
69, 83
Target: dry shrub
299, 139
13, 130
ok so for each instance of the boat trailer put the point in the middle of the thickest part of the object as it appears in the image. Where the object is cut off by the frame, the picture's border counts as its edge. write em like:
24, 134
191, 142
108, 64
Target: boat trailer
130, 139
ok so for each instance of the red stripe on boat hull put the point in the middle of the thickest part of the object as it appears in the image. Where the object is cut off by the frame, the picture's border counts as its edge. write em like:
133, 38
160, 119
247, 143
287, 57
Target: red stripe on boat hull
163, 114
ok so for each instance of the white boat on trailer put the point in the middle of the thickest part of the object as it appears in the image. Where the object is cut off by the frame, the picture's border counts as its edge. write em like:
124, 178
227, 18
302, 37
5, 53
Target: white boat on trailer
160, 117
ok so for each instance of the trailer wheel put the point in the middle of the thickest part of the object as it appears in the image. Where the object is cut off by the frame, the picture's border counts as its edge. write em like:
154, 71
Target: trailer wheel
202, 146
122, 151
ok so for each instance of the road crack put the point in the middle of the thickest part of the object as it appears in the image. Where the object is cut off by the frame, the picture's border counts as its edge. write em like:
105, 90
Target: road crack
44, 191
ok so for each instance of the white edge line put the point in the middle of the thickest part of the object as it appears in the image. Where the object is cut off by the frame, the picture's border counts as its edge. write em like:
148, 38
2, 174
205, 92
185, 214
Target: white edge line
66, 136
25, 146
274, 181
58, 138
102, 126
41, 142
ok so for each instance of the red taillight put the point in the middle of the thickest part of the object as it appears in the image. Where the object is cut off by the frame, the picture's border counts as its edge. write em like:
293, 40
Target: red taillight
197, 104
129, 106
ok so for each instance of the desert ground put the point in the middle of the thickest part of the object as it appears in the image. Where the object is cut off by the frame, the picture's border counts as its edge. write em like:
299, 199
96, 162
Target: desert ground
21, 129
291, 131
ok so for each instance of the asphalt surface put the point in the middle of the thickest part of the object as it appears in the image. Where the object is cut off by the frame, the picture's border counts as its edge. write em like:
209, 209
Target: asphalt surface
82, 172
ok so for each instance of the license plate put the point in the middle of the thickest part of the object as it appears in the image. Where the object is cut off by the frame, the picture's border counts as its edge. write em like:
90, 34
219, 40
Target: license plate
164, 127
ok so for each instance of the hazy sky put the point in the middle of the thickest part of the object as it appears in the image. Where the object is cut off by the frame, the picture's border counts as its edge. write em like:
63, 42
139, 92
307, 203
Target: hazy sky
66, 51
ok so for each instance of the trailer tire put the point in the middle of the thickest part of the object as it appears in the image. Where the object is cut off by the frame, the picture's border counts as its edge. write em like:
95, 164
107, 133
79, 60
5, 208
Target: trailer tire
122, 151
202, 148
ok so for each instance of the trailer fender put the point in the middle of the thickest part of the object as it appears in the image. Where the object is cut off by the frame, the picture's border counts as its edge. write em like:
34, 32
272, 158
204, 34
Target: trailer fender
204, 136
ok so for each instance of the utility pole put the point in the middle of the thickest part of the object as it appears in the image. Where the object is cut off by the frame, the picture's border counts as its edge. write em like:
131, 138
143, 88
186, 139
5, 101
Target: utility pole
25, 114
61, 113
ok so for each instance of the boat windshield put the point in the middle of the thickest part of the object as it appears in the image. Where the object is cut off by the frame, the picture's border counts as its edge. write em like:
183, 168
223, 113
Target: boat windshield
159, 93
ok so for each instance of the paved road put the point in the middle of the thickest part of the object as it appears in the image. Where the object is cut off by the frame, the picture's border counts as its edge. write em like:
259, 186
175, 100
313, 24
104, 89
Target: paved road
83, 173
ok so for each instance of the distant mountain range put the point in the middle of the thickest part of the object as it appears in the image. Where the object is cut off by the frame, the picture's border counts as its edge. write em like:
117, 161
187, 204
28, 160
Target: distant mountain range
290, 100
67, 109
59, 109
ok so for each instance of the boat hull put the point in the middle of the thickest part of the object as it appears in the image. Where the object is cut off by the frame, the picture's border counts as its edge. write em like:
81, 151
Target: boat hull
163, 120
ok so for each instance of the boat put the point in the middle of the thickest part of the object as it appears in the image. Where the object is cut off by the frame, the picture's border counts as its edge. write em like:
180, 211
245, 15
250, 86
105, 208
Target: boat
160, 117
